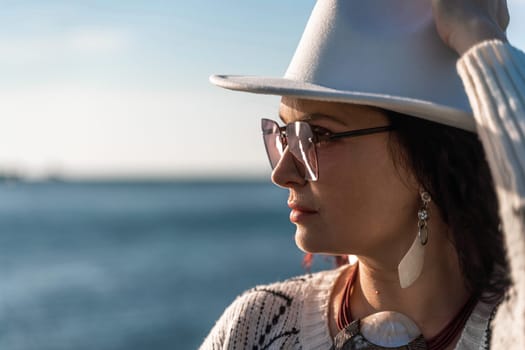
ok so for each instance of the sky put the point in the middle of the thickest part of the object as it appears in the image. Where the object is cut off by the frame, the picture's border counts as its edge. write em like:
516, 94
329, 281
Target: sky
98, 89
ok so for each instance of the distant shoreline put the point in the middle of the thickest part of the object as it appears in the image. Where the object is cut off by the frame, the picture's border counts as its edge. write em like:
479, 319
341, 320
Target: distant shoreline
135, 180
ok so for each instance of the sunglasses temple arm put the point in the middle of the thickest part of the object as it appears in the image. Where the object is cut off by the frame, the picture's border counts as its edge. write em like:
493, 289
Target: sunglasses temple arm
362, 132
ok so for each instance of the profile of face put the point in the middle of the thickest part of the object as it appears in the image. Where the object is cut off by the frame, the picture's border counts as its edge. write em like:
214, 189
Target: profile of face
362, 203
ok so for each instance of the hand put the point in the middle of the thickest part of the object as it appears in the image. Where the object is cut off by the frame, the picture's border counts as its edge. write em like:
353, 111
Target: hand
463, 23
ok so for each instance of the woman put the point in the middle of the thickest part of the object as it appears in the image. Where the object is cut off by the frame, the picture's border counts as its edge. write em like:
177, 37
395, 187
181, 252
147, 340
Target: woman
383, 160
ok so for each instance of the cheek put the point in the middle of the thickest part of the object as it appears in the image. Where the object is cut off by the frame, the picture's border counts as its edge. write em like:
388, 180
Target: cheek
346, 182
355, 173
363, 195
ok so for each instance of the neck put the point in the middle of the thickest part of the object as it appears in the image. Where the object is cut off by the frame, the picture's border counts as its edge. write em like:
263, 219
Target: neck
431, 301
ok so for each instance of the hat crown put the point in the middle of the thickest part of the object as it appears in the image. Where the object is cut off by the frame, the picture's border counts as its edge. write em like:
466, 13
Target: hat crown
388, 47
383, 53
390, 18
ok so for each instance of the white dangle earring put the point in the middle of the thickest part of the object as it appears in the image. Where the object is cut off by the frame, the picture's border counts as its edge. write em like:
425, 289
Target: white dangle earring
411, 265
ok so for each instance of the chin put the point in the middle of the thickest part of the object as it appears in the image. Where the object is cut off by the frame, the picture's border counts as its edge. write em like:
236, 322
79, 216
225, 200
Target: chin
310, 242
320, 242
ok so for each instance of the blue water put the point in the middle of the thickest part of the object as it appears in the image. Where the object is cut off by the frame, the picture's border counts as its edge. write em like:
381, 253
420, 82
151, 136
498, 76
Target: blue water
130, 265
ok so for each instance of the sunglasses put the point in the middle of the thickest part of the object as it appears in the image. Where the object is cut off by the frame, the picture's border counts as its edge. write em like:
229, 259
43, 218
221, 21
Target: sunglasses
301, 139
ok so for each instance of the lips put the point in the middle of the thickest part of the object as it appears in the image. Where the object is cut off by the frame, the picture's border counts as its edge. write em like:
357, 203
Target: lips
301, 208
300, 213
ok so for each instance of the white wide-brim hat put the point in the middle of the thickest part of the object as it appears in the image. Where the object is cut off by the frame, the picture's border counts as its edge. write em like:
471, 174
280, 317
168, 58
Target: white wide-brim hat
383, 53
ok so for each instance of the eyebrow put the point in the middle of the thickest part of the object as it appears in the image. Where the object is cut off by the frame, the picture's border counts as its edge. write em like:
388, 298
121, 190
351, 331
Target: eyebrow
316, 116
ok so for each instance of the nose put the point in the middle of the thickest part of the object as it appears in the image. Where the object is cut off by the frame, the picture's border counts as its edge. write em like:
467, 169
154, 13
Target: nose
289, 171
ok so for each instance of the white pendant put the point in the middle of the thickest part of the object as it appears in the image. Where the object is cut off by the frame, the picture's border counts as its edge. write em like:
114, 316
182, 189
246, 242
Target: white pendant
389, 329
411, 265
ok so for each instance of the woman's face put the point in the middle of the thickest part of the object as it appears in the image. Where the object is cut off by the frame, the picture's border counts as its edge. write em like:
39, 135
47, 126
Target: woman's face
361, 204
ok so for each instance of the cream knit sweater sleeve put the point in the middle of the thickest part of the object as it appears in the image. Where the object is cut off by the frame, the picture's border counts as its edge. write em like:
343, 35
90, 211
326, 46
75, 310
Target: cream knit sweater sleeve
493, 73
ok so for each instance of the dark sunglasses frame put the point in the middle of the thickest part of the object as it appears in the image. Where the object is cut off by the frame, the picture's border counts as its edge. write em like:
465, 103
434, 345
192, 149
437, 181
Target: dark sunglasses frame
323, 135
318, 135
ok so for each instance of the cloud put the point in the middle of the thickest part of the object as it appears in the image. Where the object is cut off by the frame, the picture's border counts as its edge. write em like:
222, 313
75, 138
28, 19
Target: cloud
25, 49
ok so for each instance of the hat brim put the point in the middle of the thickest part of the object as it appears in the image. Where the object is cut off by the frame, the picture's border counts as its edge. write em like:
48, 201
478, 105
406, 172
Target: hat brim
438, 113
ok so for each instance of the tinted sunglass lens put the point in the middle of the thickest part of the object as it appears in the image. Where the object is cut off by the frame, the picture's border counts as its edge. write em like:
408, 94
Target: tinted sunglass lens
272, 141
300, 142
299, 139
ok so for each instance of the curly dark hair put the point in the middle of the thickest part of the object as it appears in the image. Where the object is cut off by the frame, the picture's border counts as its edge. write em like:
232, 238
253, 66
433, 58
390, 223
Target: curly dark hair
450, 164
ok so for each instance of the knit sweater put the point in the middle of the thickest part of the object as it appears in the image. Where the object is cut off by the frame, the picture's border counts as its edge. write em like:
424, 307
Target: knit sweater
494, 77
294, 314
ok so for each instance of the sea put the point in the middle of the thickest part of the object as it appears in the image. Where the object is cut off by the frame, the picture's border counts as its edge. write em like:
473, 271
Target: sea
114, 265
